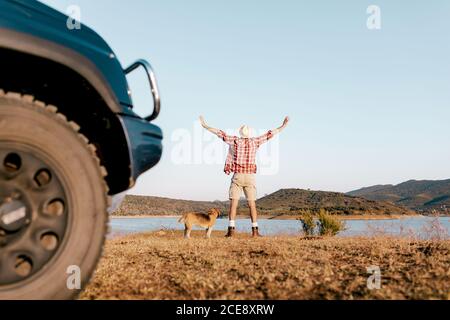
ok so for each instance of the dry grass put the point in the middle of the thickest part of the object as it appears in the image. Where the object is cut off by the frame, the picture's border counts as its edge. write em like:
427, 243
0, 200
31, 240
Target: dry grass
163, 265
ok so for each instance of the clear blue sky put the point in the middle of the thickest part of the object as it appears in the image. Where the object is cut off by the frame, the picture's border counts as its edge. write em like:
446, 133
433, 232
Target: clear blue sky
367, 107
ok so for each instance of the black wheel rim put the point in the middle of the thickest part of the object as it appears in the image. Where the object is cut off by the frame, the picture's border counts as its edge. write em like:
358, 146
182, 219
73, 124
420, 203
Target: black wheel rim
33, 213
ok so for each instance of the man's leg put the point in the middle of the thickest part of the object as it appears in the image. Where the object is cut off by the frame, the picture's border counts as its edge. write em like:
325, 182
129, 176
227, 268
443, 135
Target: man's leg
233, 209
253, 211
235, 193
254, 217
250, 193
232, 217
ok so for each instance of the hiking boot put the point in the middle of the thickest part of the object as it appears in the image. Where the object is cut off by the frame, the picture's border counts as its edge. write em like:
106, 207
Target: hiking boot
255, 232
230, 232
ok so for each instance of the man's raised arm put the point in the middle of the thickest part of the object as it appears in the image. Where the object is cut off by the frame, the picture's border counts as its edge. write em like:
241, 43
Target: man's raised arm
221, 134
210, 129
279, 129
269, 135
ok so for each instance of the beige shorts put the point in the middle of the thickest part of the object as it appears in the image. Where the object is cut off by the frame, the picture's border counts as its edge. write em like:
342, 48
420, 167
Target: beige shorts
243, 182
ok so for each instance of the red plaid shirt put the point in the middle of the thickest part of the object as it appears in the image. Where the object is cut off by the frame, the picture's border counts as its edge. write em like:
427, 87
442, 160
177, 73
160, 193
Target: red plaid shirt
242, 152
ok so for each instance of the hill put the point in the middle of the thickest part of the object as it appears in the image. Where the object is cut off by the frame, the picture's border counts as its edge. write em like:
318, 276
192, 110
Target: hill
298, 200
145, 205
285, 201
424, 196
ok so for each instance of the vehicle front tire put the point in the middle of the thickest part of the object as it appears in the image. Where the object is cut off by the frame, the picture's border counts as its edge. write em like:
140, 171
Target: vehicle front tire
53, 202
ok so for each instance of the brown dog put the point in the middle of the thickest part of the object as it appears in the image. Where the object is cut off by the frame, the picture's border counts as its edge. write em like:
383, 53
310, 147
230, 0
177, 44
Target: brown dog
207, 221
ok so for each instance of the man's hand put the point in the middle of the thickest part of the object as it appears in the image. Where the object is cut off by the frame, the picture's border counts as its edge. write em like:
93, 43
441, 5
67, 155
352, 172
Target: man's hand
204, 125
278, 130
202, 121
285, 123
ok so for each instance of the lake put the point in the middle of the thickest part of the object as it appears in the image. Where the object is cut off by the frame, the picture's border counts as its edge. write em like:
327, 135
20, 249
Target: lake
422, 227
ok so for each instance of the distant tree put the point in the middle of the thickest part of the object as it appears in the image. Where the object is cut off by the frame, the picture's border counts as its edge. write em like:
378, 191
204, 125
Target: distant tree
329, 225
308, 223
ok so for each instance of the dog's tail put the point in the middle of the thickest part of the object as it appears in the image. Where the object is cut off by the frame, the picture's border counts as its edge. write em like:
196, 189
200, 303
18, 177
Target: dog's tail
182, 218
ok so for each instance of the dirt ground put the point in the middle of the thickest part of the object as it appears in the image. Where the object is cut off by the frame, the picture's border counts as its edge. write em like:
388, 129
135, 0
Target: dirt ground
163, 265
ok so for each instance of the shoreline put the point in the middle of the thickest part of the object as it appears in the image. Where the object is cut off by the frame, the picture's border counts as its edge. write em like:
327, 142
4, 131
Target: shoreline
287, 217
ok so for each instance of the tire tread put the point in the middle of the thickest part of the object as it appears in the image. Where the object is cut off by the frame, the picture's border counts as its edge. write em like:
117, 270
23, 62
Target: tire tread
52, 112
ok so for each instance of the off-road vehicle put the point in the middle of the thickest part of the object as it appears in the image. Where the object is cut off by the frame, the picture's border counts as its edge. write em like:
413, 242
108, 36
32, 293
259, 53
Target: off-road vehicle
69, 142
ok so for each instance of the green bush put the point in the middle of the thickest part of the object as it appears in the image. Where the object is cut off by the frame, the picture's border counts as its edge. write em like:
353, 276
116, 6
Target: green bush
308, 223
328, 224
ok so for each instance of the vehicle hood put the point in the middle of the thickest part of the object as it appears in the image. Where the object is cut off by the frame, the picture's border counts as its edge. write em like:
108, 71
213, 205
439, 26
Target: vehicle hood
37, 19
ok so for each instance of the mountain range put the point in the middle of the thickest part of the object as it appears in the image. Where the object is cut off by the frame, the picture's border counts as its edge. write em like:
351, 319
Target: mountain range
286, 202
410, 197
422, 196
